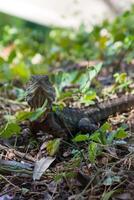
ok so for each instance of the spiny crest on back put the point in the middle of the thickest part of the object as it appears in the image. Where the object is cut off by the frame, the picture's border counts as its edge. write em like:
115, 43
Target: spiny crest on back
39, 90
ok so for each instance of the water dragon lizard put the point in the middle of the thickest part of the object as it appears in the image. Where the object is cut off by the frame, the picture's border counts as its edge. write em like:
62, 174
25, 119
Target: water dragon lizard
70, 120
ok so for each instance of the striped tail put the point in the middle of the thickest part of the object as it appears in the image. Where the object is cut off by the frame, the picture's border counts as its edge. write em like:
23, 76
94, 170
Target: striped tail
103, 110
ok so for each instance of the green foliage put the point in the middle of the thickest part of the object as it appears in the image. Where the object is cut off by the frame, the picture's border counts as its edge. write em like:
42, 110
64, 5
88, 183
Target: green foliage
121, 82
99, 139
104, 135
92, 151
53, 146
108, 195
32, 116
81, 138
10, 129
81, 78
12, 126
26, 50
100, 135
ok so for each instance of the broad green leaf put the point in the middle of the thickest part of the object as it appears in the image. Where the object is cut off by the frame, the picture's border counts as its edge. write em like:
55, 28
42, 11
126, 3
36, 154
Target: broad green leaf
10, 129
12, 56
91, 73
121, 133
92, 151
1, 60
53, 146
103, 132
81, 138
21, 70
120, 78
88, 98
100, 136
36, 114
106, 127
95, 137
33, 115
23, 115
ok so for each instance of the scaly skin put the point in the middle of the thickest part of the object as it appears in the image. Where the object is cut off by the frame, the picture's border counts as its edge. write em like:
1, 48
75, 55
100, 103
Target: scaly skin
71, 120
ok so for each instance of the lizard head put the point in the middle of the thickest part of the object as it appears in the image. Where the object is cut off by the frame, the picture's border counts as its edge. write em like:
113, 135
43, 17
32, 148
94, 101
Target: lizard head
39, 90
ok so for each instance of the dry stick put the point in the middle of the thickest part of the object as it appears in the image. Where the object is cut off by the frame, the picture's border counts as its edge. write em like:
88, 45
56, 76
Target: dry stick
10, 182
20, 154
82, 154
12, 101
7, 192
52, 197
87, 185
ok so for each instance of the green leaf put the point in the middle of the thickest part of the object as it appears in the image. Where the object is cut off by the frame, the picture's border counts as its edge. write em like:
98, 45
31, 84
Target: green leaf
106, 127
88, 97
33, 115
95, 137
53, 146
121, 133
12, 56
81, 138
36, 114
1, 60
120, 78
10, 129
23, 115
103, 132
87, 77
21, 70
92, 151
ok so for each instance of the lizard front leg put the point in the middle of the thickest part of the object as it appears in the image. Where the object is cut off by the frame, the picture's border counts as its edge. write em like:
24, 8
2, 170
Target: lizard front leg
52, 126
86, 125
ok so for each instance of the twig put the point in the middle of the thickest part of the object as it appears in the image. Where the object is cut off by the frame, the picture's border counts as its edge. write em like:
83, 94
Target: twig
82, 193
18, 153
9, 182
12, 101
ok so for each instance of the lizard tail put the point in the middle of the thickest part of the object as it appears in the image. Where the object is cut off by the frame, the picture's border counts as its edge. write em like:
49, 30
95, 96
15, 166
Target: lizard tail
118, 105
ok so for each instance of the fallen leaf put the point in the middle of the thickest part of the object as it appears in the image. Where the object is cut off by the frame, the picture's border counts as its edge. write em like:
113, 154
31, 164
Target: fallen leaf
41, 166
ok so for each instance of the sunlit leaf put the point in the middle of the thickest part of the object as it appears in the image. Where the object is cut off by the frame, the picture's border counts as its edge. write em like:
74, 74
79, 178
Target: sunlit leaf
21, 70
10, 129
33, 115
53, 146
95, 137
121, 133
92, 151
81, 138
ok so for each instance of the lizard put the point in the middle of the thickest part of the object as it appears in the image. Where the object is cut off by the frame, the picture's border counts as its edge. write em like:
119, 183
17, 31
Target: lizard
70, 120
